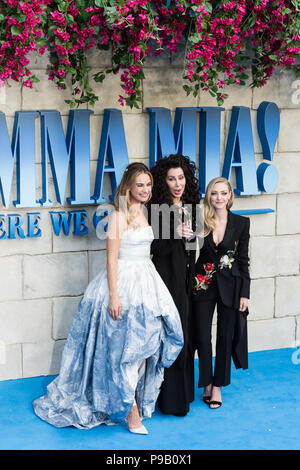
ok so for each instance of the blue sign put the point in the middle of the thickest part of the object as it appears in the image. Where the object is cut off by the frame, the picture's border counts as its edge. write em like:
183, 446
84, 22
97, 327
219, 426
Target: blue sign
71, 154
239, 154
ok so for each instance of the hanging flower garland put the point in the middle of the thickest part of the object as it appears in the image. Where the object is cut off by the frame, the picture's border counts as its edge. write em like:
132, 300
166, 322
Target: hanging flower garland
21, 33
130, 27
70, 31
216, 48
274, 31
222, 40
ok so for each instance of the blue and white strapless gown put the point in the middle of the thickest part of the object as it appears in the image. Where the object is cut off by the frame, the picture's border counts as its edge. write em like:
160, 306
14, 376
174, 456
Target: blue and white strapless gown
108, 364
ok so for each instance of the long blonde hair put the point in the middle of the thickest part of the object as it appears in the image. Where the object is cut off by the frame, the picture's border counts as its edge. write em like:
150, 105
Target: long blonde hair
209, 210
122, 200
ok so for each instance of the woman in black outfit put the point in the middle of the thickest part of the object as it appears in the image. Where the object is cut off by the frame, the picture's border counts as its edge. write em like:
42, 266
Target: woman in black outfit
173, 250
222, 279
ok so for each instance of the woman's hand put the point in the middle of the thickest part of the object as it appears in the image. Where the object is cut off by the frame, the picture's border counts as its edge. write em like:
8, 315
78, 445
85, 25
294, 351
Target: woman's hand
114, 307
185, 231
243, 303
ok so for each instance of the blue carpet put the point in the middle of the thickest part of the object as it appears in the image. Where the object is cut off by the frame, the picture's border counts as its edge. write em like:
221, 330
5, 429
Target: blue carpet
261, 411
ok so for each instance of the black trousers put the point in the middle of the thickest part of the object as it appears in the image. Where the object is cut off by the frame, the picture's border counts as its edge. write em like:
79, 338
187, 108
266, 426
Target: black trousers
203, 311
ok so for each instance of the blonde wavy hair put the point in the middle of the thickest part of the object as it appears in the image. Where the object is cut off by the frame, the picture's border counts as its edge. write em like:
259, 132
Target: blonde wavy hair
209, 210
122, 201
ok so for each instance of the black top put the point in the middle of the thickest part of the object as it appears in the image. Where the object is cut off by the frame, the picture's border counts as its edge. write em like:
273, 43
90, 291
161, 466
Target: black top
230, 260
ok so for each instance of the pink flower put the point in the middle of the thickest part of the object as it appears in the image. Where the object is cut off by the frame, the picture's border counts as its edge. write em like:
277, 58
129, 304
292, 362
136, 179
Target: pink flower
28, 83
51, 75
63, 35
42, 49
134, 69
142, 35
61, 50
121, 100
58, 18
61, 73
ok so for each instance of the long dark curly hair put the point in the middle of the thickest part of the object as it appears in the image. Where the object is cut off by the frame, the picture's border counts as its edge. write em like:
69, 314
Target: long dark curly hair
160, 191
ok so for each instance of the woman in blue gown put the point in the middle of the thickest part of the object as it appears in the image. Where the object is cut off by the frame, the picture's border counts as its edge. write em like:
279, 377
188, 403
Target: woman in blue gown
126, 329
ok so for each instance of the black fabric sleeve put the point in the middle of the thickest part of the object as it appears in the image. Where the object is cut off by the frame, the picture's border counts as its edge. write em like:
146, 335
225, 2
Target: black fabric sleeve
164, 241
243, 259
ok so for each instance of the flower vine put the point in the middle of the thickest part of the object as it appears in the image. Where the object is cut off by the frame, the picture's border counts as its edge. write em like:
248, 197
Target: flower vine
222, 39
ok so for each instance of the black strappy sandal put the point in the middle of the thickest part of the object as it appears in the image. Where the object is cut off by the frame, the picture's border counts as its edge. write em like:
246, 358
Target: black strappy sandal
206, 399
215, 402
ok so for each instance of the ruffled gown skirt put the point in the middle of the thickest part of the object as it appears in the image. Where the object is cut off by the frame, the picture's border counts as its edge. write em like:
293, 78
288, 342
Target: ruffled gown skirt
107, 364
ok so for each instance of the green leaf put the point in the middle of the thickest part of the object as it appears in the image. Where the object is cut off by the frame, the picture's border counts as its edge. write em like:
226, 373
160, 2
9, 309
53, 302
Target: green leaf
99, 77
52, 28
63, 6
34, 79
15, 31
80, 3
195, 38
21, 18
85, 99
285, 11
252, 21
297, 71
72, 104
208, 6
187, 89
41, 42
101, 3
69, 20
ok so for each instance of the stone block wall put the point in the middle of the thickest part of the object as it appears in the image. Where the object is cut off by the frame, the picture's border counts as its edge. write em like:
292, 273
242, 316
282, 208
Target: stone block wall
43, 279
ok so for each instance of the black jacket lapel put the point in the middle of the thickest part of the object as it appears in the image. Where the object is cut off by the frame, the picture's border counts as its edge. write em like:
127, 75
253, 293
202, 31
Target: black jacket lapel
228, 232
210, 241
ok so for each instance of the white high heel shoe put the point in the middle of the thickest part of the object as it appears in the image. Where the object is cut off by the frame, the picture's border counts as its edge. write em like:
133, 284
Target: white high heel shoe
139, 430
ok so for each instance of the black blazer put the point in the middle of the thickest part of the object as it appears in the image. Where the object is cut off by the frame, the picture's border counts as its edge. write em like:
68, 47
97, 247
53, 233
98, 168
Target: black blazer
176, 267
233, 282
173, 261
